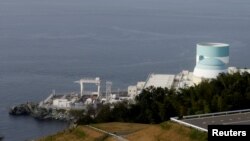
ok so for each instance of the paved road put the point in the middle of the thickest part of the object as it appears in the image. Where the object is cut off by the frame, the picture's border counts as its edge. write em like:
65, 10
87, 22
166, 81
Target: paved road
231, 119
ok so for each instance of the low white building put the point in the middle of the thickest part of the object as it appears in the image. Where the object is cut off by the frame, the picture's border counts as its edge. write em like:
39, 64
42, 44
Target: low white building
232, 70
62, 103
134, 90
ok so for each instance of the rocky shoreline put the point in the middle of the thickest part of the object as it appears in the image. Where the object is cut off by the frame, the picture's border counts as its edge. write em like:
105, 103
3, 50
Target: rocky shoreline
41, 113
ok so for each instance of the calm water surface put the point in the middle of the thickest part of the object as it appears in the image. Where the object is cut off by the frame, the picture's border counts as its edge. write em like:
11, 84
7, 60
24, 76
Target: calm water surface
48, 44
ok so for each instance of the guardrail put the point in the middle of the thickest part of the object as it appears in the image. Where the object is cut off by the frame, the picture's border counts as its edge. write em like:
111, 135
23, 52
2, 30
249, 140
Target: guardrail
175, 119
216, 114
189, 125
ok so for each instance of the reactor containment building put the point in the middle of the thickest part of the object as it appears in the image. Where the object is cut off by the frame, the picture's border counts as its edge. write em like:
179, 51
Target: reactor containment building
211, 60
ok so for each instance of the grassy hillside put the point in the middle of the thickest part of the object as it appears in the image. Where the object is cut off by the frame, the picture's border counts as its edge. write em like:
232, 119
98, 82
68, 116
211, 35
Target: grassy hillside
80, 133
167, 131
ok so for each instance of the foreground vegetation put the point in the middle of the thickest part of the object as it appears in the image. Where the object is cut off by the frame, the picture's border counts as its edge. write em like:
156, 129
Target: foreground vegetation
156, 105
80, 133
132, 131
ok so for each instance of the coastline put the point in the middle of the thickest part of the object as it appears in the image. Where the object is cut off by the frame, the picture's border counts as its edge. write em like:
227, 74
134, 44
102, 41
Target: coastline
34, 110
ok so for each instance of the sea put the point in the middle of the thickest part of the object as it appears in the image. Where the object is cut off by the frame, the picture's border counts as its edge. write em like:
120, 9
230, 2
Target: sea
46, 45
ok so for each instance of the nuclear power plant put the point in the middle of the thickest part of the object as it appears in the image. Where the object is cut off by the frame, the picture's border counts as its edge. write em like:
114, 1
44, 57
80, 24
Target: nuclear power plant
212, 59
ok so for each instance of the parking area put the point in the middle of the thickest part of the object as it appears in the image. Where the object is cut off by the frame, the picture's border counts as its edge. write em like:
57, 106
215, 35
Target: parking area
201, 122
239, 118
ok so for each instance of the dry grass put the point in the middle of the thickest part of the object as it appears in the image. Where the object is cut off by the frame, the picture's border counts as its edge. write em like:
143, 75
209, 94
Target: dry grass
80, 133
167, 131
159, 133
121, 128
110, 139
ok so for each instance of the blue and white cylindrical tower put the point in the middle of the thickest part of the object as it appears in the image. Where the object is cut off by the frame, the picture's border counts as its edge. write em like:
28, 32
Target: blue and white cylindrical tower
211, 59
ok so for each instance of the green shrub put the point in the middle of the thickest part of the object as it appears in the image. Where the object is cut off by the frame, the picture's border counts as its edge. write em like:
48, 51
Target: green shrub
197, 135
166, 125
79, 133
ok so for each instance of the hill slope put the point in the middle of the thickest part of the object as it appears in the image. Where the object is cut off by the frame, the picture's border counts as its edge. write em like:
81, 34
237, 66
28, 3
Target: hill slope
167, 131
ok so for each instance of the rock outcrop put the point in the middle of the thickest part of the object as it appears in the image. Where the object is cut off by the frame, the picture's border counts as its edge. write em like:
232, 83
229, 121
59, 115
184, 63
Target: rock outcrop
41, 113
22, 109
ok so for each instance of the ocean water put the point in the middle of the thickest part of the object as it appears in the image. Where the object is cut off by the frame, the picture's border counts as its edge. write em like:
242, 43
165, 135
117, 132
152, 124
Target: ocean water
48, 44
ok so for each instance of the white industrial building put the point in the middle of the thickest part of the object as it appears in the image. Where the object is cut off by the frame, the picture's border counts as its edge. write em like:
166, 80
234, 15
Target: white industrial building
232, 70
183, 80
134, 90
62, 103
211, 60
65, 101
160, 80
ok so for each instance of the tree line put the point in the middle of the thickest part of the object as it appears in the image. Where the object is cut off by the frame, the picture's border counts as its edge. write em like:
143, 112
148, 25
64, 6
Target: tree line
155, 105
